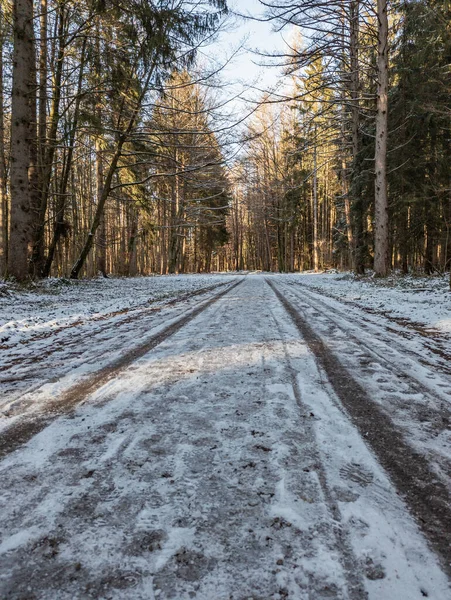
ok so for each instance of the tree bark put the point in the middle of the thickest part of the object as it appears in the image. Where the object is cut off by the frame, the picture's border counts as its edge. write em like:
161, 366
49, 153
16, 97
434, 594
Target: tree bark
357, 205
47, 145
315, 206
24, 171
101, 238
3, 189
131, 250
381, 237
42, 123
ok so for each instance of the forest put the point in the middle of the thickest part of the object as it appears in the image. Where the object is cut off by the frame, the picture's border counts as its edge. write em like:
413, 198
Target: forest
225, 317
118, 154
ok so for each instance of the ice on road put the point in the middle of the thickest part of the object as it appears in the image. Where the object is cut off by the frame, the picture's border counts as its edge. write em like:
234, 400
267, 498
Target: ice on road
221, 465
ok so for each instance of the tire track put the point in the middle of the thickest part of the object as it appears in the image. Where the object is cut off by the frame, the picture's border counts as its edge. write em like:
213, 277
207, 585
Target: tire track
32, 366
432, 410
427, 497
356, 588
376, 353
19, 433
445, 357
137, 313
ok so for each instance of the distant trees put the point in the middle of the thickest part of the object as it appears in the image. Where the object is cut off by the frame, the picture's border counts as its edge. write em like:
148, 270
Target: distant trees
369, 147
190, 189
420, 146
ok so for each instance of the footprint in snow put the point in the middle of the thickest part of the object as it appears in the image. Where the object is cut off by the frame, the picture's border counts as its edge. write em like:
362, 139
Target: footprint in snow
357, 473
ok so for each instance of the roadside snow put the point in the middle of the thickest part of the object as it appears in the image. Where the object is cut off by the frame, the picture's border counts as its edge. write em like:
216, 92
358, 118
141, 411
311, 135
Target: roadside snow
60, 303
61, 333
420, 300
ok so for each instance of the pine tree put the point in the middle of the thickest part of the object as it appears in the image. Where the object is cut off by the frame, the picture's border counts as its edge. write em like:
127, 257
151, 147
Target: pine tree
24, 168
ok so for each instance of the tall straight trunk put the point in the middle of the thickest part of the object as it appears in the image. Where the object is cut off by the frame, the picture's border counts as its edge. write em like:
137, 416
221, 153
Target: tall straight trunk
315, 207
356, 202
381, 234
177, 210
3, 189
174, 230
164, 237
347, 205
101, 238
42, 113
131, 250
24, 170
48, 144
404, 241
344, 173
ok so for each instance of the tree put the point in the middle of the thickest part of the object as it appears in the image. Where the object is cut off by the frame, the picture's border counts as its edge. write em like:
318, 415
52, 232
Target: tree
381, 231
24, 168
190, 182
160, 32
3, 143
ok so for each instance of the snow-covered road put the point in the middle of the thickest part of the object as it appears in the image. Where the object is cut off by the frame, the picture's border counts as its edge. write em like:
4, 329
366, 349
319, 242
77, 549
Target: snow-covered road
273, 443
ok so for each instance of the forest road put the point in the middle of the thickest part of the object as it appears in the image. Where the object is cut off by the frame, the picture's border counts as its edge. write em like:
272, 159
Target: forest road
240, 458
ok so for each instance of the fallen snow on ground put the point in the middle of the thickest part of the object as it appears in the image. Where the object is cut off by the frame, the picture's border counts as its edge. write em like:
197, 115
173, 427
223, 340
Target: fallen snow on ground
421, 300
58, 303
219, 466
63, 331
391, 348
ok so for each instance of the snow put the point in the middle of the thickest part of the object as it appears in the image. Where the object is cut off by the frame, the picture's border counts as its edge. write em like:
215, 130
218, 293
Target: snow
221, 464
55, 304
378, 526
57, 335
425, 301
405, 368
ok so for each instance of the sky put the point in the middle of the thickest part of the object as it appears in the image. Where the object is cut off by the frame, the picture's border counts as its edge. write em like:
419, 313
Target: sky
244, 72
259, 36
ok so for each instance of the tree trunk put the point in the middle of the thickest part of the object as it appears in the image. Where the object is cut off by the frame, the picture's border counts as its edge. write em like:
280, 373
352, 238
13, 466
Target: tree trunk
3, 189
357, 205
47, 145
24, 172
101, 238
315, 207
174, 230
381, 237
42, 122
131, 251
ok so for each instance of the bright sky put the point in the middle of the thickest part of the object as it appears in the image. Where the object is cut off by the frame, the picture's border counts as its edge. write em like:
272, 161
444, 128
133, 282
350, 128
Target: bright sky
260, 36
244, 69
